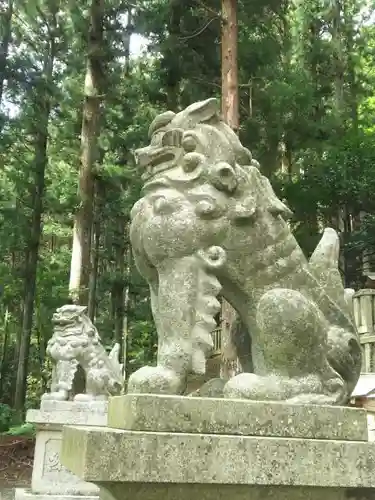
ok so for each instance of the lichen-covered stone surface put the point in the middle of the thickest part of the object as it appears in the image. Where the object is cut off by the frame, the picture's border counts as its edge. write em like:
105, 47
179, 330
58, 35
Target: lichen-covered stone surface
49, 476
182, 448
105, 455
55, 414
209, 223
76, 342
216, 416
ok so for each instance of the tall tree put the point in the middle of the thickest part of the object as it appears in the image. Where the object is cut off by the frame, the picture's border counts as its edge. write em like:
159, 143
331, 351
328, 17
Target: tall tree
230, 109
42, 98
229, 64
6, 34
93, 97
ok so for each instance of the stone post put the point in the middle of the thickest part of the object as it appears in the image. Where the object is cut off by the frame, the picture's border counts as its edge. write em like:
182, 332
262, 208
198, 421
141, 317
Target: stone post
50, 479
364, 313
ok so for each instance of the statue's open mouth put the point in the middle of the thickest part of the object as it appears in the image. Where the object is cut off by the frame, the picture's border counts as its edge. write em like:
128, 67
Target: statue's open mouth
59, 321
153, 160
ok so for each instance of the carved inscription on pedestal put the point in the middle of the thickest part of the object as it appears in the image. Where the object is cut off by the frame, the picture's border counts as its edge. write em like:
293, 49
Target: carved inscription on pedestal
52, 468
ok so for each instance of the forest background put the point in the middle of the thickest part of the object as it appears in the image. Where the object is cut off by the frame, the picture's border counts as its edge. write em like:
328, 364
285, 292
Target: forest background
75, 103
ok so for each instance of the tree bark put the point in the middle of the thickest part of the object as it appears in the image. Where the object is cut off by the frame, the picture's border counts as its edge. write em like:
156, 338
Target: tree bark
230, 110
3, 365
172, 58
41, 341
229, 64
339, 63
42, 108
82, 232
340, 68
125, 321
93, 278
120, 283
4, 47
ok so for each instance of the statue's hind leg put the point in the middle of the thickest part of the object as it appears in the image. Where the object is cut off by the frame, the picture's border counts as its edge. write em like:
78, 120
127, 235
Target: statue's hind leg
292, 365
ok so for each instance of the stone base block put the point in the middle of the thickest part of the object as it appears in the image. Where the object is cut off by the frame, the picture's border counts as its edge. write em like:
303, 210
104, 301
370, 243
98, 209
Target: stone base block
167, 448
156, 413
102, 455
24, 494
49, 476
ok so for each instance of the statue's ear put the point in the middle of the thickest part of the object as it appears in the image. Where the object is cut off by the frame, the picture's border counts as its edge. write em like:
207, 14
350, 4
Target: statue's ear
199, 112
273, 204
277, 207
245, 209
160, 121
203, 111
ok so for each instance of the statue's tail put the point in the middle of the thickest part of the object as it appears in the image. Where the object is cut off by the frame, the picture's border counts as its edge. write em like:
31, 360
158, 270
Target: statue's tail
324, 266
114, 357
344, 353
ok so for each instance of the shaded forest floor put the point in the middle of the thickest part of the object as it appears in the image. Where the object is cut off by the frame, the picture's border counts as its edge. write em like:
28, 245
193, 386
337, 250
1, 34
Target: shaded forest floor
16, 461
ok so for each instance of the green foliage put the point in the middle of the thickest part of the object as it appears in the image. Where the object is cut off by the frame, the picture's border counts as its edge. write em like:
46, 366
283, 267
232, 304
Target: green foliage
307, 107
26, 429
5, 417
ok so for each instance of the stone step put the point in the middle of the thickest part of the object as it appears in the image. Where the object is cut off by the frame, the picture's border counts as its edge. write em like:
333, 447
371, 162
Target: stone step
162, 413
106, 456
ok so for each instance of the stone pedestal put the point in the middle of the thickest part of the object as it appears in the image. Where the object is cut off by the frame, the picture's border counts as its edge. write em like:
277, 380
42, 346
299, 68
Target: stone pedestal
168, 447
50, 479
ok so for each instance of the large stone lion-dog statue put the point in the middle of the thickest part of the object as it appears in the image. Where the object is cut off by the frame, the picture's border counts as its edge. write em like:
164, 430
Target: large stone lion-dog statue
209, 223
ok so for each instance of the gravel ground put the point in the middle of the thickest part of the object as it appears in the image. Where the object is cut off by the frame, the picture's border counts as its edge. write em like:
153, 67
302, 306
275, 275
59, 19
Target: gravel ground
16, 461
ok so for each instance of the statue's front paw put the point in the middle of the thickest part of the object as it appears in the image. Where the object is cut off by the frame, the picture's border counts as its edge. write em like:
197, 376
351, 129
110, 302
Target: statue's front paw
253, 387
56, 396
156, 380
90, 397
298, 390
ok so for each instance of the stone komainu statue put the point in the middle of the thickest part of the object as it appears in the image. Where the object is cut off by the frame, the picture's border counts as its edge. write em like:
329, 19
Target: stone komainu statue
76, 341
209, 223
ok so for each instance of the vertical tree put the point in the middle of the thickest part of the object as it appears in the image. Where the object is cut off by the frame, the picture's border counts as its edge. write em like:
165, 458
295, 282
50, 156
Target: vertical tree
5, 33
230, 109
93, 97
41, 98
229, 64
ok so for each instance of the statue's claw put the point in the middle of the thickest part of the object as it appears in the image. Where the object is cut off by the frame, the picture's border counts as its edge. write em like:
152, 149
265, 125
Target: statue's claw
156, 379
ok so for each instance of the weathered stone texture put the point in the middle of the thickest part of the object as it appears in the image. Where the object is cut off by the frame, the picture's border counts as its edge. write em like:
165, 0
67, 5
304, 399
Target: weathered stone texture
49, 476
76, 342
109, 455
210, 224
161, 413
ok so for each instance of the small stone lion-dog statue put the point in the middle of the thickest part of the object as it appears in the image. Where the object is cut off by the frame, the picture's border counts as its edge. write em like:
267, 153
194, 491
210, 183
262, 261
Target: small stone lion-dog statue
209, 223
76, 341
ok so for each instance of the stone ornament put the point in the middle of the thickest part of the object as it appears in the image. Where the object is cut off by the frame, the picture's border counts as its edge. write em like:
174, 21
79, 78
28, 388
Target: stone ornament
209, 223
76, 341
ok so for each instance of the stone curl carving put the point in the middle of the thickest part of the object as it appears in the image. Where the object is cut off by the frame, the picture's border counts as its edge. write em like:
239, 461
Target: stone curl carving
209, 223
76, 341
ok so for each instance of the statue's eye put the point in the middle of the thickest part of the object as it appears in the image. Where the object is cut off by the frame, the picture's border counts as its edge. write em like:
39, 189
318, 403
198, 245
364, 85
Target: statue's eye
208, 208
223, 177
159, 204
163, 205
